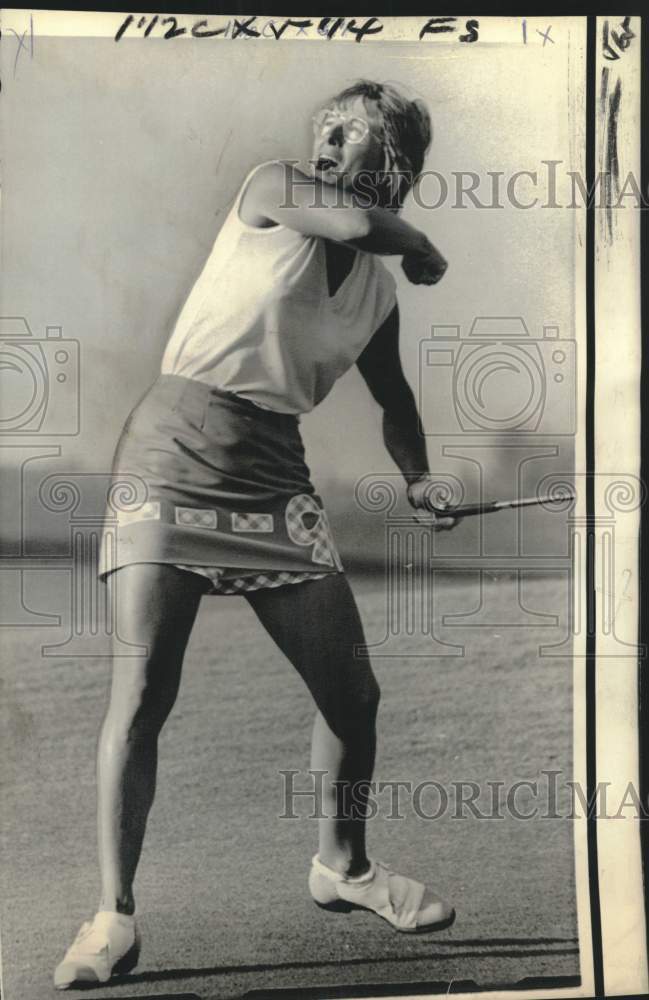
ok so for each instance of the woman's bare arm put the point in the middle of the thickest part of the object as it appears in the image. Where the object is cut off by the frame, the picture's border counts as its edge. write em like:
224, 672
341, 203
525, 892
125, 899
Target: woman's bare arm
403, 433
380, 366
281, 193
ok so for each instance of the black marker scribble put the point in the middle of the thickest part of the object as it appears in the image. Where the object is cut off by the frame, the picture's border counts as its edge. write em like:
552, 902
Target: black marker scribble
609, 114
123, 26
447, 25
437, 25
174, 31
210, 33
371, 27
324, 28
621, 38
244, 28
471, 31
289, 23
254, 27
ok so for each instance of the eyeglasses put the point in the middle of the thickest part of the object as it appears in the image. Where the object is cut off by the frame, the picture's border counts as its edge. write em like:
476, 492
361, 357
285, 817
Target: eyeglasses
354, 127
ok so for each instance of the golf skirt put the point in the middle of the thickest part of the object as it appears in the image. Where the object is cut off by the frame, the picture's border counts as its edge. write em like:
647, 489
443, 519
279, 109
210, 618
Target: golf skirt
206, 480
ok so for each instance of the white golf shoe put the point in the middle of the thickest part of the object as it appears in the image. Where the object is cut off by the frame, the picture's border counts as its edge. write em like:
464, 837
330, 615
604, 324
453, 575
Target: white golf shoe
106, 946
405, 903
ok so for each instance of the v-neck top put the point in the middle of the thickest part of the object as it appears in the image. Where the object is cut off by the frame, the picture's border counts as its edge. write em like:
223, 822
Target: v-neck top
260, 321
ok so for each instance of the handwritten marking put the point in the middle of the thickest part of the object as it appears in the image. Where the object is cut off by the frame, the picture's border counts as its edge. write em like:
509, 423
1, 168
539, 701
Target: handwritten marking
123, 26
21, 41
437, 25
174, 31
609, 113
621, 38
300, 26
626, 576
243, 27
472, 32
371, 27
206, 34
545, 35
254, 27
610, 595
324, 29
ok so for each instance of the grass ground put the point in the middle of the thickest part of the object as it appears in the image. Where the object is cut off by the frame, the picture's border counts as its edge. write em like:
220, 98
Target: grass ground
222, 883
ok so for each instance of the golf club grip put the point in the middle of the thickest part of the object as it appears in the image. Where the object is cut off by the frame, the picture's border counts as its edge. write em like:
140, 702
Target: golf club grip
465, 511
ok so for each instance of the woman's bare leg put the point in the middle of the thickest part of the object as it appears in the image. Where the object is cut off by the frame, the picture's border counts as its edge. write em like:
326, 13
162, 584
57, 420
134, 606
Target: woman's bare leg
155, 607
316, 625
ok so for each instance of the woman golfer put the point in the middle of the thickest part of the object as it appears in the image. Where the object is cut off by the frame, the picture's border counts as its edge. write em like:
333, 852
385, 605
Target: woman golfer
291, 295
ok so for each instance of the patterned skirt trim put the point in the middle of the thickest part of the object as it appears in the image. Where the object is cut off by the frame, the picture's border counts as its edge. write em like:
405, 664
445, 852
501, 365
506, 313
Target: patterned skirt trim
241, 584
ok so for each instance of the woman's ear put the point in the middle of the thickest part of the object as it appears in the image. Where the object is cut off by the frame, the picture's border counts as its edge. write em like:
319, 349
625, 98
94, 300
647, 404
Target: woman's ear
424, 123
392, 188
385, 191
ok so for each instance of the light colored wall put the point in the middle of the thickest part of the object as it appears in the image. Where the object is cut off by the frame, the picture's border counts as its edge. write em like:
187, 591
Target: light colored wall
122, 162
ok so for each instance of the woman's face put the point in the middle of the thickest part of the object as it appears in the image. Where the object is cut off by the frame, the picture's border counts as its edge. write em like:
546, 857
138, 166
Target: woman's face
340, 149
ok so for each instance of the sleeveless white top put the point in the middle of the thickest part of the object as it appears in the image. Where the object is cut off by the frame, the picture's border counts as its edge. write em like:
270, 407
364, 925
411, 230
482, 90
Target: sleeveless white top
260, 322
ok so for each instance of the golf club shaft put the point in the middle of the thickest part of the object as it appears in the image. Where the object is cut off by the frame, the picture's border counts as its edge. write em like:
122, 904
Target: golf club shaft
491, 506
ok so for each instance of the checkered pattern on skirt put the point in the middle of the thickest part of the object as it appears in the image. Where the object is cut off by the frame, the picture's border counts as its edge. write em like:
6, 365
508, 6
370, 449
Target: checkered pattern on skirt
257, 581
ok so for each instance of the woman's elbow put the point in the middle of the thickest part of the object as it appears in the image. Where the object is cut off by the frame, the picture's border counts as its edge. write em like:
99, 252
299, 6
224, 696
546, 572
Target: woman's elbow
357, 226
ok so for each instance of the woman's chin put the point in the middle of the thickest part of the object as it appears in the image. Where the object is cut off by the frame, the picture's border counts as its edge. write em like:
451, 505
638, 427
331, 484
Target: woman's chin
326, 176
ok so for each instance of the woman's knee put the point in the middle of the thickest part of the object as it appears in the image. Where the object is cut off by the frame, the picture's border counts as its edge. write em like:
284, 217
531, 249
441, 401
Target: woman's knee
354, 711
142, 697
372, 699
370, 696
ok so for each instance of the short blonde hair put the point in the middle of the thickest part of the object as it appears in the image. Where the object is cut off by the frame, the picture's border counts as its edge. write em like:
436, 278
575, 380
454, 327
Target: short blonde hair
406, 132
